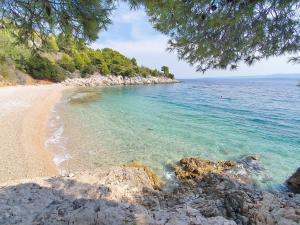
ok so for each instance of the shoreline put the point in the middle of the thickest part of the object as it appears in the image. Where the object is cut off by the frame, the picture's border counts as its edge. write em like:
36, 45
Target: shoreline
98, 80
25, 113
207, 193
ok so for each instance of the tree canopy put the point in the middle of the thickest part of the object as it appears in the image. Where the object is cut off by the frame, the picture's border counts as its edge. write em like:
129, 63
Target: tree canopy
219, 34
63, 55
36, 19
211, 34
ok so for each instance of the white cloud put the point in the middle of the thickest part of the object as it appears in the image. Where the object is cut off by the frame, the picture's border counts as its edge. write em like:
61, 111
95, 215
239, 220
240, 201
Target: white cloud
153, 45
148, 46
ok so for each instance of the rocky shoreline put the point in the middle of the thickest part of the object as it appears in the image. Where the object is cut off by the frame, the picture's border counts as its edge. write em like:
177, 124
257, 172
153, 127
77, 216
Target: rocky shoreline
215, 193
99, 80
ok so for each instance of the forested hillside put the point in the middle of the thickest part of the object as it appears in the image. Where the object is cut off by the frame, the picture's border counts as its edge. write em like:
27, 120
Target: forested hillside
60, 56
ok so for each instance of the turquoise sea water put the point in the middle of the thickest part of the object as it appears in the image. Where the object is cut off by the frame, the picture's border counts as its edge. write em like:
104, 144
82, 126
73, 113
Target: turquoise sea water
160, 124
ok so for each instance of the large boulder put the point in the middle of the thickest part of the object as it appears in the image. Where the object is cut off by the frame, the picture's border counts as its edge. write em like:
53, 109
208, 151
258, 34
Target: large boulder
196, 168
294, 181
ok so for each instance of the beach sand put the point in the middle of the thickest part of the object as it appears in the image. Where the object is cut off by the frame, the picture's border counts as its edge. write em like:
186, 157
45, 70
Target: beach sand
24, 115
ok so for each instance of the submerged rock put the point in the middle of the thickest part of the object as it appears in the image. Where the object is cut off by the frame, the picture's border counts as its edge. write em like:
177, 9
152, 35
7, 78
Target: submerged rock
197, 169
217, 190
294, 182
251, 163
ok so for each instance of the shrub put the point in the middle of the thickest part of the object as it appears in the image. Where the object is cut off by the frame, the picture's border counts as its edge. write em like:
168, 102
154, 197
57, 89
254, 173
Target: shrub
88, 70
67, 63
144, 71
4, 71
128, 72
133, 61
96, 57
155, 73
66, 43
9, 49
43, 69
171, 76
165, 70
103, 68
51, 44
81, 60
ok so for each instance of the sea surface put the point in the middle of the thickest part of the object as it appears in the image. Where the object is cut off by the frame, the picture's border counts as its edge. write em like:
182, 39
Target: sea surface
212, 118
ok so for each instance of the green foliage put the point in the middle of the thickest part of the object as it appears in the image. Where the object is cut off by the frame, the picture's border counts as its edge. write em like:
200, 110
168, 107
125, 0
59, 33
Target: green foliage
4, 71
88, 70
134, 62
206, 33
66, 43
81, 19
171, 76
64, 53
67, 63
43, 68
51, 44
9, 50
103, 69
144, 71
117, 63
165, 70
221, 34
81, 60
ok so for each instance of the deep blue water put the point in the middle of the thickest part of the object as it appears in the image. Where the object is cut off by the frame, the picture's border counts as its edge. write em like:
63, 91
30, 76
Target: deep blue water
210, 118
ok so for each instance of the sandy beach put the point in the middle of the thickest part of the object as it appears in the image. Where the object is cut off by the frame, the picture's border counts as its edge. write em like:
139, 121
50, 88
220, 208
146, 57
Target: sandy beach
24, 115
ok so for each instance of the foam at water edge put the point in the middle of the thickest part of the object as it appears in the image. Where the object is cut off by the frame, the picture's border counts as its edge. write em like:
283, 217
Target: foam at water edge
54, 143
59, 158
56, 137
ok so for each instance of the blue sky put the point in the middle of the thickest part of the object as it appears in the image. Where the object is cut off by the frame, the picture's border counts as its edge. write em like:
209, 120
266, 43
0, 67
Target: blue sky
132, 34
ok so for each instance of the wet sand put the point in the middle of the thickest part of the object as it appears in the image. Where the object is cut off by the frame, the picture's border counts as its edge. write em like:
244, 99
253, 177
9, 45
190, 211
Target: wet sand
24, 115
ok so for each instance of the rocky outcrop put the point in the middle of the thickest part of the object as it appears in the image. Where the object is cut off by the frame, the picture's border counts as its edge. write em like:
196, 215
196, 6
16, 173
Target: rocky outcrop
98, 80
208, 194
294, 181
196, 169
112, 196
218, 193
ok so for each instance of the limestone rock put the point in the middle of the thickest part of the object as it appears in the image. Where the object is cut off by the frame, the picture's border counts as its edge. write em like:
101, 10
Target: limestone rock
294, 181
126, 195
99, 80
197, 169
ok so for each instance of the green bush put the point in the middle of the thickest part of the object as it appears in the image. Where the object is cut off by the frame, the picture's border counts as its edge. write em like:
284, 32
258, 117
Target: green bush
51, 44
66, 43
81, 60
171, 76
43, 69
67, 63
9, 49
103, 69
4, 71
155, 73
88, 70
165, 70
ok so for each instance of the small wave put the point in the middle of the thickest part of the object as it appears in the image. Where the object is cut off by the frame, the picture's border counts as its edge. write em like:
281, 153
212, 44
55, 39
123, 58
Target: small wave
59, 158
56, 136
55, 141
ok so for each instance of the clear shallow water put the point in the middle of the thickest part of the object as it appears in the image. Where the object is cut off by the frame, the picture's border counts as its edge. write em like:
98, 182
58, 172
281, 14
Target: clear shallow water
160, 124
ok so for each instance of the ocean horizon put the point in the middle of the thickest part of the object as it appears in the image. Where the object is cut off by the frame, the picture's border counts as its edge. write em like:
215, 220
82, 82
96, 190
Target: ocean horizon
216, 118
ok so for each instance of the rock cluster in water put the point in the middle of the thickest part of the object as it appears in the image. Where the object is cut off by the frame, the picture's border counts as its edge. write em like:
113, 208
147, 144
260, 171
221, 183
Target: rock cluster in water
294, 181
208, 193
99, 80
